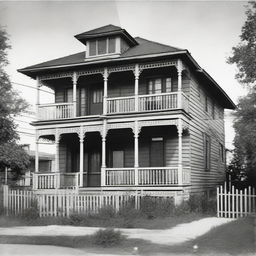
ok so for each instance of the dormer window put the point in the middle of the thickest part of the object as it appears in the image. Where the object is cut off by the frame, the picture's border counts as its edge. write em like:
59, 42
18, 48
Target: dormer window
102, 46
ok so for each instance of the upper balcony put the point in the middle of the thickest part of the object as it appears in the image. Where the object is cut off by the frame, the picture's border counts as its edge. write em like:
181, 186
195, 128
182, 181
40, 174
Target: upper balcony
153, 90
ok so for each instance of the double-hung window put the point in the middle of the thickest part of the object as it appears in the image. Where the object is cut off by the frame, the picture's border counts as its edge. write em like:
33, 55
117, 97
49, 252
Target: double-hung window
160, 85
207, 152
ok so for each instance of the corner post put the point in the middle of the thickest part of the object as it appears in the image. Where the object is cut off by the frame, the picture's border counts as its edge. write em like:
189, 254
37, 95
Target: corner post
179, 70
57, 165
180, 151
37, 153
105, 91
81, 139
136, 132
136, 86
103, 164
74, 79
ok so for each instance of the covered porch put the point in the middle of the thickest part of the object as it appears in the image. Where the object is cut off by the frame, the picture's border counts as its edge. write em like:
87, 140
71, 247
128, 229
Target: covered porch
138, 154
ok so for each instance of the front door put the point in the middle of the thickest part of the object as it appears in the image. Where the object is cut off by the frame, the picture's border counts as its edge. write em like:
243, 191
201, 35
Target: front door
157, 152
96, 100
94, 169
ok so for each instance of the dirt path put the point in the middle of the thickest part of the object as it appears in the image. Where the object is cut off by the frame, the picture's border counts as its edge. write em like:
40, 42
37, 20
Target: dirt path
179, 234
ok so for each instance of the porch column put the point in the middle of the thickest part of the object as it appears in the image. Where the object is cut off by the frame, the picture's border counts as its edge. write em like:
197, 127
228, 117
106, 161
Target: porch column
103, 154
136, 88
180, 152
81, 139
37, 154
74, 79
179, 70
37, 96
105, 92
136, 132
57, 166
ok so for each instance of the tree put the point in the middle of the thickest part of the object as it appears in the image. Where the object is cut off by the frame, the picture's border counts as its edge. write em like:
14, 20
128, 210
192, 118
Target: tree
11, 104
244, 56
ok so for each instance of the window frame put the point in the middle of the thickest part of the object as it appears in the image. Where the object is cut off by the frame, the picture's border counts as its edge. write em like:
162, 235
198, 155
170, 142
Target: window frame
152, 80
107, 39
207, 151
222, 152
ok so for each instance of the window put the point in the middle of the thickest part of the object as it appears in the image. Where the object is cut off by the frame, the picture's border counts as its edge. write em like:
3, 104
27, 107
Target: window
207, 151
97, 96
206, 104
160, 85
102, 46
222, 153
213, 110
112, 45
92, 48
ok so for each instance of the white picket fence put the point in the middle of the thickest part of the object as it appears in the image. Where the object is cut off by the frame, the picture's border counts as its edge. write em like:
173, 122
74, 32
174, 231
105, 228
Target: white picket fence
235, 203
63, 203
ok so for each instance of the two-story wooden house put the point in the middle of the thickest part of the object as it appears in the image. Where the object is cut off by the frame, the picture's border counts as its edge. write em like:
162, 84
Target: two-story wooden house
130, 114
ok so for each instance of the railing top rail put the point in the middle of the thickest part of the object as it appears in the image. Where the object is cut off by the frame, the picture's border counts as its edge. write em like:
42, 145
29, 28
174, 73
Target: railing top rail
56, 104
45, 173
119, 169
158, 168
158, 94
120, 98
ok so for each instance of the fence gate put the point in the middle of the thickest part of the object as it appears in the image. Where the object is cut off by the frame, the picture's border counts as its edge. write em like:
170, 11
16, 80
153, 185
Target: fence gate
235, 203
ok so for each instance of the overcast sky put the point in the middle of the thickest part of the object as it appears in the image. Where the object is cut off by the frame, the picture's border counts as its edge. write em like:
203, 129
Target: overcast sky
44, 30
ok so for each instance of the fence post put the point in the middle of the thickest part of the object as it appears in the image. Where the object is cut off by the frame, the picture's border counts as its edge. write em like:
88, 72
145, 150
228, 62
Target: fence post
218, 209
6, 198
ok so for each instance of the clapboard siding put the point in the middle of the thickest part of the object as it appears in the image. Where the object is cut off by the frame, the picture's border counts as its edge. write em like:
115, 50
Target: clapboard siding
62, 156
203, 122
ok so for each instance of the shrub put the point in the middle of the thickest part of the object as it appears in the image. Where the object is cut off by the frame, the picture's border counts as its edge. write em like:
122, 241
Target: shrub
30, 214
78, 219
106, 212
107, 237
153, 207
197, 203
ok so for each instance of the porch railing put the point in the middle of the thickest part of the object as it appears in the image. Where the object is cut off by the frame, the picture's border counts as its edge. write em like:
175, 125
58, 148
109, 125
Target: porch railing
120, 176
163, 101
146, 176
158, 176
53, 180
148, 102
45, 180
55, 111
120, 105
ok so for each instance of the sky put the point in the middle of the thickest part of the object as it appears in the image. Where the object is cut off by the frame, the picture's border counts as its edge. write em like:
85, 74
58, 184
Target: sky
43, 30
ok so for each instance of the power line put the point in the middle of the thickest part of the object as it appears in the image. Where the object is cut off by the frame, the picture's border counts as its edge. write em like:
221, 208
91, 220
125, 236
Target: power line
32, 87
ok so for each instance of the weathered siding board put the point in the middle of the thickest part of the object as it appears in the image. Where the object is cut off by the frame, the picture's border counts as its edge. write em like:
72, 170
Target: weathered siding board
202, 122
62, 156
